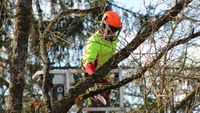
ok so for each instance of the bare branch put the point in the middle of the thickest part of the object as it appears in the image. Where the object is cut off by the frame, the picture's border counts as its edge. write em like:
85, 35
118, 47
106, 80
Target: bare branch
69, 11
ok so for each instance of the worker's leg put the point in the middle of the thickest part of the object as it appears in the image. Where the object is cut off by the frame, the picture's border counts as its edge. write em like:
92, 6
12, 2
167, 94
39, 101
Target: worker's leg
101, 100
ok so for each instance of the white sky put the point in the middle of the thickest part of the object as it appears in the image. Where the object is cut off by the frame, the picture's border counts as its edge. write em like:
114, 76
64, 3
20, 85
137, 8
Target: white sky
139, 5
0, 90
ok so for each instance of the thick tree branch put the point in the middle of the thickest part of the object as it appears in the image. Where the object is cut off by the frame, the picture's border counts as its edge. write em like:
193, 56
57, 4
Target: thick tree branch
147, 66
125, 52
139, 39
142, 35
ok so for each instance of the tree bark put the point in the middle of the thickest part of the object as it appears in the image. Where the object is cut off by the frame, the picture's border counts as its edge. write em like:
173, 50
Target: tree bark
19, 55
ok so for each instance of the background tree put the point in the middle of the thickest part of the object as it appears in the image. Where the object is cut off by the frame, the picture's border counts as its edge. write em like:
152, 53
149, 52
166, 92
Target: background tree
19, 55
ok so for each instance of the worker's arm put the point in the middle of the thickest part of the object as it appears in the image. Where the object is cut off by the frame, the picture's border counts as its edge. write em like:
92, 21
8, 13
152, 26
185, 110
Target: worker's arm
90, 55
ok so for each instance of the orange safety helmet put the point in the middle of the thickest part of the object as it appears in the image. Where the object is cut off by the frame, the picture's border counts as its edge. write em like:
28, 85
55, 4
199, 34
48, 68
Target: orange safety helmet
112, 19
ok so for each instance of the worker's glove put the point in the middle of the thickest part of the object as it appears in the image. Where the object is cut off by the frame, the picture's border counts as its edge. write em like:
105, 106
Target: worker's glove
90, 68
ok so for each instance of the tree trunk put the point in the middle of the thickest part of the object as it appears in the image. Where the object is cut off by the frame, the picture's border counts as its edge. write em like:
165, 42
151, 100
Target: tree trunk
47, 78
19, 55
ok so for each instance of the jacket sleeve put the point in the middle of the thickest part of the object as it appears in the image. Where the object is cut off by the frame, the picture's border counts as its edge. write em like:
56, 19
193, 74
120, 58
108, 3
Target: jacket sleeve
91, 52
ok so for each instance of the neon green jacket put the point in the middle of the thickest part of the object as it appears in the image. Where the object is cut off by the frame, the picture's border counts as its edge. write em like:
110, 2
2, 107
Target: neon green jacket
98, 49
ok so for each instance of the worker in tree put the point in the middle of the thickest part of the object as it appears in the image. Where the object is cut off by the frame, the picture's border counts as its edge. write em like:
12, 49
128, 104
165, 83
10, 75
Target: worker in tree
100, 47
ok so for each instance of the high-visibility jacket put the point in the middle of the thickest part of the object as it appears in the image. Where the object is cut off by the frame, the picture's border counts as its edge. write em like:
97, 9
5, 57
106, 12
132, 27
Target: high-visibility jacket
98, 50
